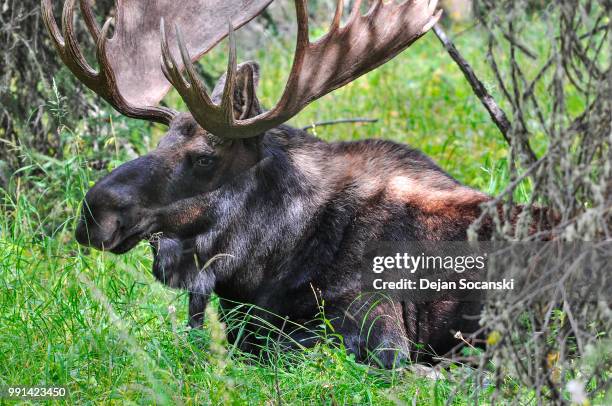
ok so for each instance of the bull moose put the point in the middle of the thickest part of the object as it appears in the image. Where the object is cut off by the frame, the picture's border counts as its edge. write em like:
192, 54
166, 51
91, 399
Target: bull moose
292, 212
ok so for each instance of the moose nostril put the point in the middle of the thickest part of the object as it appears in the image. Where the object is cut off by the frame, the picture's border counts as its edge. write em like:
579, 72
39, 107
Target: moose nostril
101, 229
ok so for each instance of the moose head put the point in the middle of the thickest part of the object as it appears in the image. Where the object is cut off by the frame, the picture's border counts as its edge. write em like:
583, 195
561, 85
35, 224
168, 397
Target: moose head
293, 213
219, 139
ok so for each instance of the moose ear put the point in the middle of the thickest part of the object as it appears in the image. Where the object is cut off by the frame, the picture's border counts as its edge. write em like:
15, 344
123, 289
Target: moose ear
246, 104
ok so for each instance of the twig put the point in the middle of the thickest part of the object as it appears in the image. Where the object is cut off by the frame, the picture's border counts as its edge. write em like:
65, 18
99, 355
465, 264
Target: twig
340, 121
497, 114
467, 29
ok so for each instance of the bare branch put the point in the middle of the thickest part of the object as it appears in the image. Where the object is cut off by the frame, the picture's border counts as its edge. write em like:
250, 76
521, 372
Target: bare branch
340, 121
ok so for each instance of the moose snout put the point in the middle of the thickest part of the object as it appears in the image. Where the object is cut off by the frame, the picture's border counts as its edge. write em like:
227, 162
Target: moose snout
100, 229
113, 214
105, 216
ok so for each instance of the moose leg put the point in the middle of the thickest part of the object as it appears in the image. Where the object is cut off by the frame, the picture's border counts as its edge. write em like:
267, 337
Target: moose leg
386, 341
197, 306
376, 334
199, 293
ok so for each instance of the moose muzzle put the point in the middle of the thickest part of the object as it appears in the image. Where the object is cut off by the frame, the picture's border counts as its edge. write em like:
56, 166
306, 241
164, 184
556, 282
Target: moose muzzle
113, 211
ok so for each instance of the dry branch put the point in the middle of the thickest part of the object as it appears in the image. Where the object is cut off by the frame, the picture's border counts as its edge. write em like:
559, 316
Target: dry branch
340, 121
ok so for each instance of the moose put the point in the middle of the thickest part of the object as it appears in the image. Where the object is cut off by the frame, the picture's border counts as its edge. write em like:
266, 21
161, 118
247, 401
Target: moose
236, 203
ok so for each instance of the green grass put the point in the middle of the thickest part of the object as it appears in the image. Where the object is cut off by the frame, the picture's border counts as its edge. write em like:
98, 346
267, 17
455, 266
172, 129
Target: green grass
103, 327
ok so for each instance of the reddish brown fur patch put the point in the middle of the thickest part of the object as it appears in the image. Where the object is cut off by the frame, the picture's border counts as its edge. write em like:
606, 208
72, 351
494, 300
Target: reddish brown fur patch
429, 198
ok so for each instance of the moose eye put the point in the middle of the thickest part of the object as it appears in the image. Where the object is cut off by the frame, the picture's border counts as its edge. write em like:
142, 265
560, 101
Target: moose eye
205, 161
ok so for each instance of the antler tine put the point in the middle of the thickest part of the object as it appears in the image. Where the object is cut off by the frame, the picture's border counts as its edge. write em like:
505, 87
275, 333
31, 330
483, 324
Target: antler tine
169, 65
227, 104
71, 46
51, 24
103, 62
90, 20
374, 7
356, 11
301, 47
337, 16
194, 86
167, 62
303, 38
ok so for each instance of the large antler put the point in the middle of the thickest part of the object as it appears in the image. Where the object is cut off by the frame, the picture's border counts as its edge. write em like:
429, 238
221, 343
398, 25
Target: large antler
129, 75
343, 54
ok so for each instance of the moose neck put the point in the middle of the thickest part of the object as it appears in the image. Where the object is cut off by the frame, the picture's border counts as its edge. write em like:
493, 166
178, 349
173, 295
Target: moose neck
265, 210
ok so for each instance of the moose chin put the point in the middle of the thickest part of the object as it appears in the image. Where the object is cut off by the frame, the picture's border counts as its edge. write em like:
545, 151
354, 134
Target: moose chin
289, 213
